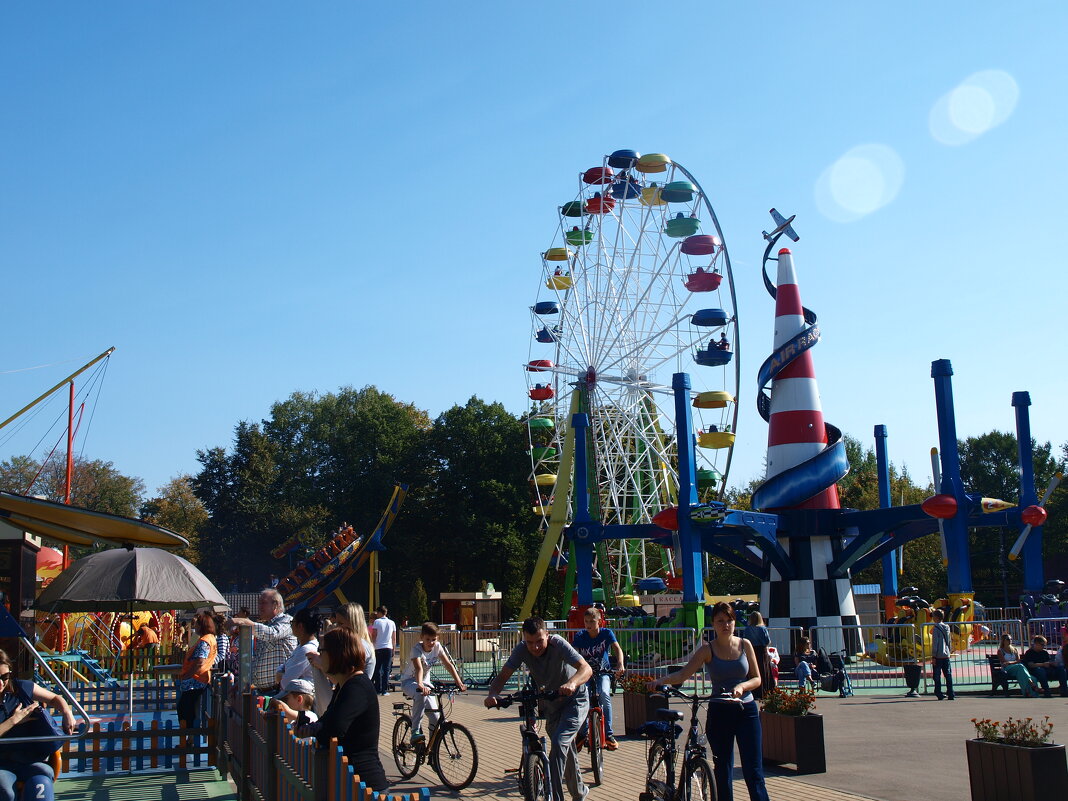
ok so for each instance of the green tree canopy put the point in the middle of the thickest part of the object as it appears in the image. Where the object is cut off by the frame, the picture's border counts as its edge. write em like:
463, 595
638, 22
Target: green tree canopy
95, 483
176, 507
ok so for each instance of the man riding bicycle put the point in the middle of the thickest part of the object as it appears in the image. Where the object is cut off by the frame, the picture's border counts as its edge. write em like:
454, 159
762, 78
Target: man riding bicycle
600, 648
554, 666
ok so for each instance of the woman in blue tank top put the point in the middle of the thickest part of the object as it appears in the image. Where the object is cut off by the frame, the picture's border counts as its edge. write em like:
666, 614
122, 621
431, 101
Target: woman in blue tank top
731, 666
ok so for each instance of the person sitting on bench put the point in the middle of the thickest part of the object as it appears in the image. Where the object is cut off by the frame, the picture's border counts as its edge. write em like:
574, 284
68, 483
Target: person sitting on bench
1040, 664
805, 658
1014, 668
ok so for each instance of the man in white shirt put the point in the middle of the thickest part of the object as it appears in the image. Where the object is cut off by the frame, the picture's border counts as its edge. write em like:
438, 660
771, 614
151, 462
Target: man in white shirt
385, 636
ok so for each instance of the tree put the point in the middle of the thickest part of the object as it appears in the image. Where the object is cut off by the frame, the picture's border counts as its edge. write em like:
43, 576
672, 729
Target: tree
95, 484
317, 461
473, 522
177, 508
418, 612
989, 466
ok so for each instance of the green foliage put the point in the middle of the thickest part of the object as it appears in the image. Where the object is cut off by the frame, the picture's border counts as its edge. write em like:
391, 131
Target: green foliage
177, 508
989, 467
418, 608
472, 522
317, 461
95, 484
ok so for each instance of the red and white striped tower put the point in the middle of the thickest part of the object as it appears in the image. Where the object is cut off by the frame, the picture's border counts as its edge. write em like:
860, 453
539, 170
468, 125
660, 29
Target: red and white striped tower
796, 434
795, 428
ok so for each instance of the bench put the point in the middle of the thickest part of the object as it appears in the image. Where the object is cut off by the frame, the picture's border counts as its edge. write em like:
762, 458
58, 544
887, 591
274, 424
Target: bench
998, 676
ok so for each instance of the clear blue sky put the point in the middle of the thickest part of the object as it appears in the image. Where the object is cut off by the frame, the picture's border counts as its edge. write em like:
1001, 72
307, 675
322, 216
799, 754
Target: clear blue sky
249, 199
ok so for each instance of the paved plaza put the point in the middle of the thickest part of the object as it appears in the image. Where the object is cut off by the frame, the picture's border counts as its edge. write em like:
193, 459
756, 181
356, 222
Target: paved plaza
884, 747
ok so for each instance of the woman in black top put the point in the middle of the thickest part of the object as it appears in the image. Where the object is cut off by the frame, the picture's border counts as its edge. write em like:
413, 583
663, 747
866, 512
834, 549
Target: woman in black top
352, 716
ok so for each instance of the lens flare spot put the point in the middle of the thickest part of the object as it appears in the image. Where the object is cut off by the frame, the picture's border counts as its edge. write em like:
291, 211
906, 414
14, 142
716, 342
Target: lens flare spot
980, 102
861, 181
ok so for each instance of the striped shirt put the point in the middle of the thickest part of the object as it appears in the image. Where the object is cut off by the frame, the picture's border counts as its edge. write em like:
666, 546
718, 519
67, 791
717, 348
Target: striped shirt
273, 642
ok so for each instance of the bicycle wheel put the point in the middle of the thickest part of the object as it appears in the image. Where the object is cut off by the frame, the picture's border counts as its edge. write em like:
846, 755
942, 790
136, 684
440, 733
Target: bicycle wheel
455, 756
593, 739
404, 753
657, 781
535, 782
698, 781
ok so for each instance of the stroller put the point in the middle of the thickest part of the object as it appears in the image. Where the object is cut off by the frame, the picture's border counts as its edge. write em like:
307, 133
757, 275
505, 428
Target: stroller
832, 679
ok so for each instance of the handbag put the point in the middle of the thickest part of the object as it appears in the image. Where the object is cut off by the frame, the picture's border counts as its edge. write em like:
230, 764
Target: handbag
39, 724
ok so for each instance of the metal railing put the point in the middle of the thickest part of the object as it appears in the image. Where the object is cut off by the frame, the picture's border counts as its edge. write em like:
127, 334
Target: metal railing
1052, 628
891, 652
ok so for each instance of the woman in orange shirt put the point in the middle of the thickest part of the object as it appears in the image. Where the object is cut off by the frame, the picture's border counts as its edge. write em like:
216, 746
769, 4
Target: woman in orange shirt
195, 676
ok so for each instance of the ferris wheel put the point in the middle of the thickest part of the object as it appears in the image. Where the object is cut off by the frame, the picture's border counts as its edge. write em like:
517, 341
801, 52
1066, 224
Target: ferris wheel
635, 285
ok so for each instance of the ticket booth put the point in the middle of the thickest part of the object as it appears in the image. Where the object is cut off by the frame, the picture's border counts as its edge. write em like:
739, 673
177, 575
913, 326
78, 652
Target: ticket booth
18, 580
477, 616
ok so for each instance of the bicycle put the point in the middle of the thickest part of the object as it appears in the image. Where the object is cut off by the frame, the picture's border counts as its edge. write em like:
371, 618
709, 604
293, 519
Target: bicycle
533, 771
450, 749
696, 779
595, 733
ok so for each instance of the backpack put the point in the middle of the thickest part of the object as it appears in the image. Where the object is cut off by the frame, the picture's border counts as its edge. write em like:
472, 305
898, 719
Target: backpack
831, 683
39, 724
823, 662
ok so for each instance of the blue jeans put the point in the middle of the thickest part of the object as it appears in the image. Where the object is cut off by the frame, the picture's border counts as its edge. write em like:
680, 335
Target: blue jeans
602, 685
383, 667
725, 724
804, 673
1045, 675
37, 775
941, 666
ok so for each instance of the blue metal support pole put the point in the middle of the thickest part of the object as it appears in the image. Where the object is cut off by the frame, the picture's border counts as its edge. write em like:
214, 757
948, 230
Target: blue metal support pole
889, 561
692, 561
956, 527
1034, 573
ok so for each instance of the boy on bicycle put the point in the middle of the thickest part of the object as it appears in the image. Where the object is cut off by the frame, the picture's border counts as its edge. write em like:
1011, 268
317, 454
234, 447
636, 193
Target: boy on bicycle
554, 666
415, 678
600, 648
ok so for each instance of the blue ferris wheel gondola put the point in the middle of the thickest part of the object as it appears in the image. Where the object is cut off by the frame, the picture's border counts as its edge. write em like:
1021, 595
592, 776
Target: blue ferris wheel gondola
546, 335
712, 318
547, 307
626, 189
623, 159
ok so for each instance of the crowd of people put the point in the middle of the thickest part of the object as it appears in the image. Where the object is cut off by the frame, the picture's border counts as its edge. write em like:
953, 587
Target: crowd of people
326, 684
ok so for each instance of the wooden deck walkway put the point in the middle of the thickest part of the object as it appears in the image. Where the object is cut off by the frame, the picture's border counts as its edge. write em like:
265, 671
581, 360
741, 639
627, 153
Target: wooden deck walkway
497, 736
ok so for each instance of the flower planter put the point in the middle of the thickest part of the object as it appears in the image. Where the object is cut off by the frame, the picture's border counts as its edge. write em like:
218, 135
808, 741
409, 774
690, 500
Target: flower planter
639, 708
998, 771
797, 739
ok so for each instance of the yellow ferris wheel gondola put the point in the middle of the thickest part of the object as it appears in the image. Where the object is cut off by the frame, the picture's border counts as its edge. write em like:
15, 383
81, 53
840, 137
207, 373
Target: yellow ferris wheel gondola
713, 400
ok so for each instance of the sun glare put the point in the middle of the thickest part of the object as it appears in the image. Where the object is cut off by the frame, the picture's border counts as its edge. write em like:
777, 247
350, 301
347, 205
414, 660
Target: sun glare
980, 102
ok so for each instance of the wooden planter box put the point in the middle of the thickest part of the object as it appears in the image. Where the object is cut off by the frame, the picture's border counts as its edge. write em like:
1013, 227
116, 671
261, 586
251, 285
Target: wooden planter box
1014, 773
639, 708
797, 739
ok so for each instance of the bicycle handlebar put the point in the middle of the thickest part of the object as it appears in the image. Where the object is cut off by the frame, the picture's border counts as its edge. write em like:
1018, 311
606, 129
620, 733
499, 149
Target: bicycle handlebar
721, 698
505, 701
441, 689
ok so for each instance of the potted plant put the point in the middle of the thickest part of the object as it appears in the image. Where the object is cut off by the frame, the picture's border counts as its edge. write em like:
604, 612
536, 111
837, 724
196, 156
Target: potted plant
791, 732
639, 705
1016, 760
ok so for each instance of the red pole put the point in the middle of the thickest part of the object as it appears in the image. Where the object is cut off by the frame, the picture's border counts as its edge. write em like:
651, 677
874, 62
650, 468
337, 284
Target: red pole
70, 446
70, 463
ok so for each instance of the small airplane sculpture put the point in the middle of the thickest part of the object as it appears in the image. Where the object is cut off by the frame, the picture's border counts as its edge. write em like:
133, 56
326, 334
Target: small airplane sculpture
784, 227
